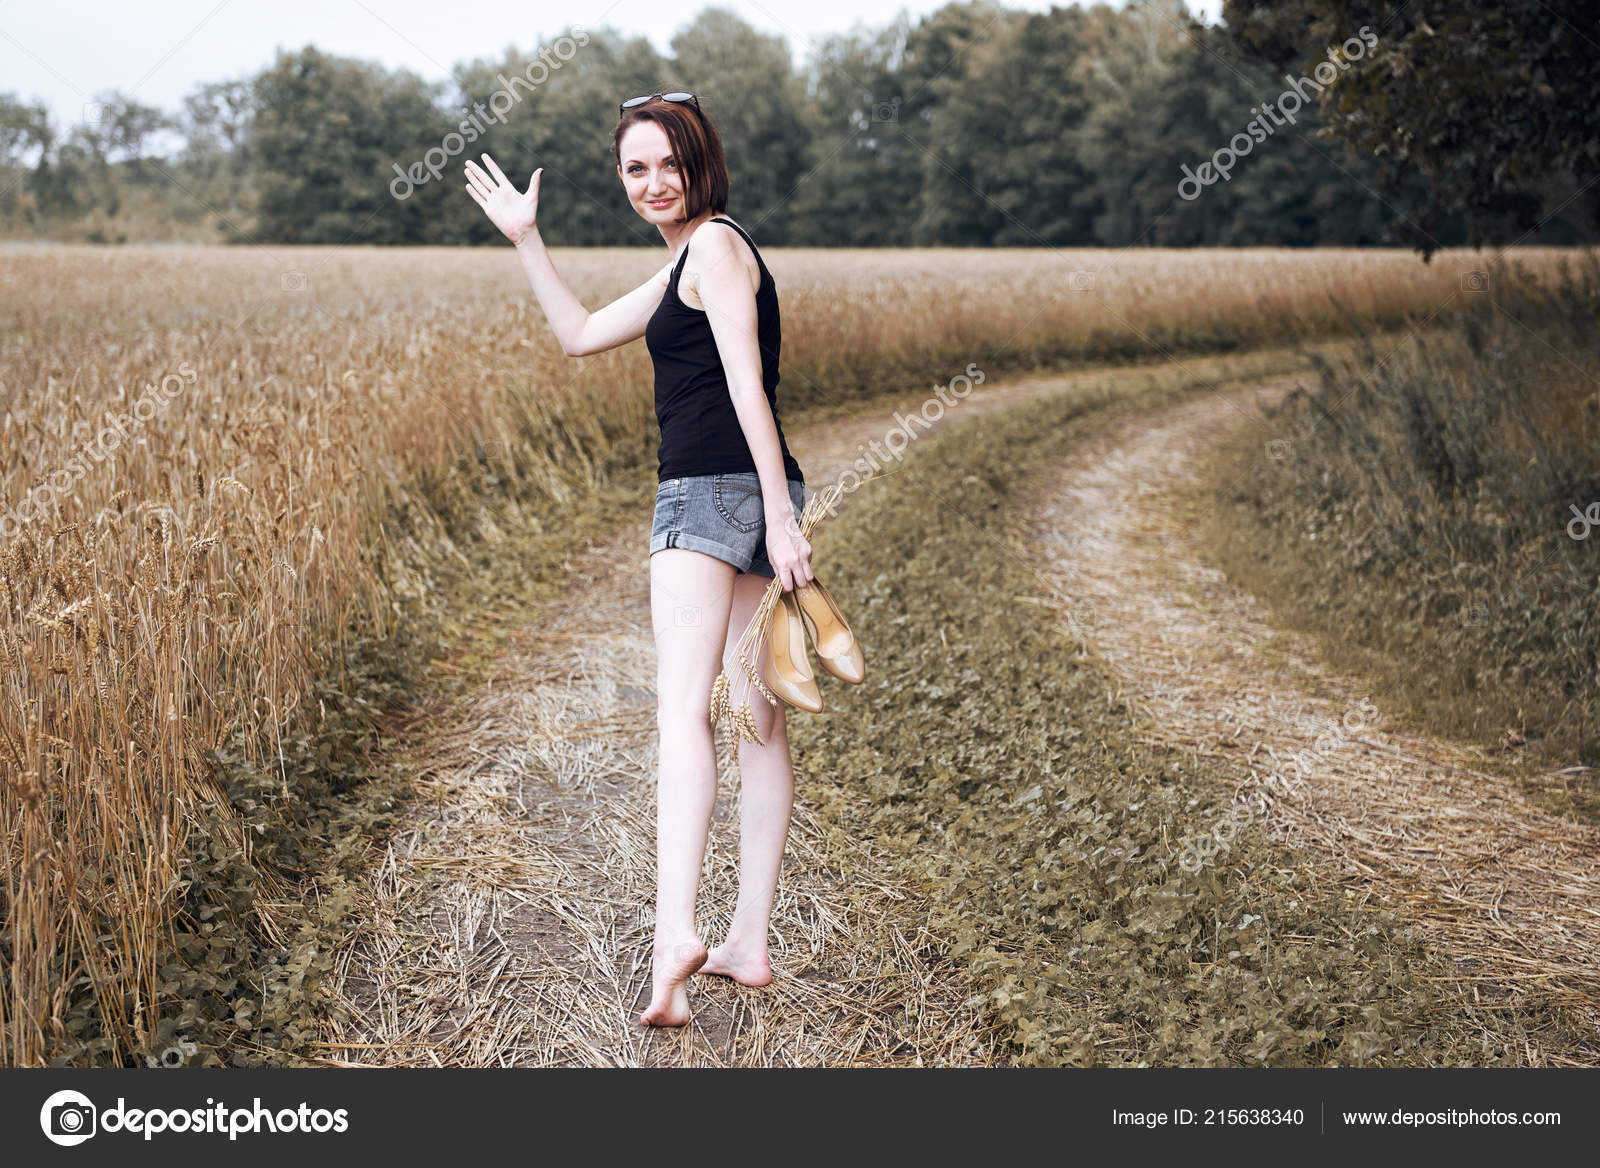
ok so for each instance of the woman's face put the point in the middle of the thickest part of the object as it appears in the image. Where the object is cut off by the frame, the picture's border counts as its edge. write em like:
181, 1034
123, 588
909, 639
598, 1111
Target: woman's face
650, 175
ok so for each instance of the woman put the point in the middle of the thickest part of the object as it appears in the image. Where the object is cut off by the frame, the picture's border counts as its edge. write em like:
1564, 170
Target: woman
728, 498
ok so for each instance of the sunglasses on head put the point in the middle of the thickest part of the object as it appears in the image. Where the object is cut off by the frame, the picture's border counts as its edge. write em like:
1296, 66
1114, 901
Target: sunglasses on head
679, 96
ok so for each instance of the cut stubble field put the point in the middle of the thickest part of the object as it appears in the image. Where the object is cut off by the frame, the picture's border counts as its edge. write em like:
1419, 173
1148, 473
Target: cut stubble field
362, 429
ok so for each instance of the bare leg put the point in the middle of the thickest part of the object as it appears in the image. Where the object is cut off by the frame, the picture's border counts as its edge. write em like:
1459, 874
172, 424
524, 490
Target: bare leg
766, 799
690, 594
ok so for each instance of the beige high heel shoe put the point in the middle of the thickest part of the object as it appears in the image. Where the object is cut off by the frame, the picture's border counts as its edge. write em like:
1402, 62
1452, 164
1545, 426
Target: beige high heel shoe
788, 673
836, 646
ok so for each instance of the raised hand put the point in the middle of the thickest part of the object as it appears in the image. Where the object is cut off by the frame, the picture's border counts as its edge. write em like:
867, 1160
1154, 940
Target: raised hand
509, 209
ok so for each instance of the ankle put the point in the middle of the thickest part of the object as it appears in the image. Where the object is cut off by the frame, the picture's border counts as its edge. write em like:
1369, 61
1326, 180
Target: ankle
672, 941
743, 943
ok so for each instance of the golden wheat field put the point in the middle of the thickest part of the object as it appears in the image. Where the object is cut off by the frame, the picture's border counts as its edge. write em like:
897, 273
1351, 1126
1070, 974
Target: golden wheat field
198, 445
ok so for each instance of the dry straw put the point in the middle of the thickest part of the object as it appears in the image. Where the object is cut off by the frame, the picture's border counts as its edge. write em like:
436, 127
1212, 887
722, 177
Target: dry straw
730, 693
280, 514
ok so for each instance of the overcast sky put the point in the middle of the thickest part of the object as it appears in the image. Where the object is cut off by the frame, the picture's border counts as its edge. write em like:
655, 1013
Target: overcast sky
64, 53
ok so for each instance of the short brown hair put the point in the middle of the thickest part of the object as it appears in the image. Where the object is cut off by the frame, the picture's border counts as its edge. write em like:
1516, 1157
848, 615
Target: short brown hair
696, 146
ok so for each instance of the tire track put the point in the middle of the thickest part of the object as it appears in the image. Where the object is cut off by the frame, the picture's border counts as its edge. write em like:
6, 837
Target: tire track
1509, 891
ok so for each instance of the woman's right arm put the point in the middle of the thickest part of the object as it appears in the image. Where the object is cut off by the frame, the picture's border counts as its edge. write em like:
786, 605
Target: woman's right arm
580, 331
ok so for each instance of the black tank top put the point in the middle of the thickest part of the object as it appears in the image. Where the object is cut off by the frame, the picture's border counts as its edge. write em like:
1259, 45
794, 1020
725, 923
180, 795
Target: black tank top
700, 431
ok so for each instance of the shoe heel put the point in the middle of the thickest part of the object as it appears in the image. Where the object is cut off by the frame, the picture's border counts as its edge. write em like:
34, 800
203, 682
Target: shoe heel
788, 673
835, 645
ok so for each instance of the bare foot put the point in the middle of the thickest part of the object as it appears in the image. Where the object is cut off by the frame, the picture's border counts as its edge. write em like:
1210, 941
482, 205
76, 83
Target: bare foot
674, 963
751, 969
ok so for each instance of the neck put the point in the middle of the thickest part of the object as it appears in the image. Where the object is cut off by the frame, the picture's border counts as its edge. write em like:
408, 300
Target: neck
677, 235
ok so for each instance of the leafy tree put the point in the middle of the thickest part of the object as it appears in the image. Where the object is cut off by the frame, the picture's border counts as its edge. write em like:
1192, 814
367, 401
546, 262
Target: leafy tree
217, 161
1173, 93
747, 81
1147, 66
127, 125
564, 124
976, 125
861, 181
952, 63
24, 128
326, 134
217, 119
1492, 102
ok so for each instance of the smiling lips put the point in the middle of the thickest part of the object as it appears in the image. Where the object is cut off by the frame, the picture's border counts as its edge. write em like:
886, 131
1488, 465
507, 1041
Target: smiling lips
659, 203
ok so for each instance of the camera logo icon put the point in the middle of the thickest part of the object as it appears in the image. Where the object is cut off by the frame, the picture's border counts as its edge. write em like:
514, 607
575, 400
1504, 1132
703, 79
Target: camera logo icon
68, 1118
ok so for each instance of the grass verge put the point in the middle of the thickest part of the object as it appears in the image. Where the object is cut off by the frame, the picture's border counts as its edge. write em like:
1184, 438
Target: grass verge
1427, 512
1005, 776
278, 840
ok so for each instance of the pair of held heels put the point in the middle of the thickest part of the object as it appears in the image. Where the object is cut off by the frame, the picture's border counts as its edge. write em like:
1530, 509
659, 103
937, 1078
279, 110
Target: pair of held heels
809, 609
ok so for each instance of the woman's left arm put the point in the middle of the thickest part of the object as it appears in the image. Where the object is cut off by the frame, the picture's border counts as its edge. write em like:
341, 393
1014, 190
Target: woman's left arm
723, 285
724, 288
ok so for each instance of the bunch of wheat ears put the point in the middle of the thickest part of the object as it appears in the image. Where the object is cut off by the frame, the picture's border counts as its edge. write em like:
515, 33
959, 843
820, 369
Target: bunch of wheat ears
730, 694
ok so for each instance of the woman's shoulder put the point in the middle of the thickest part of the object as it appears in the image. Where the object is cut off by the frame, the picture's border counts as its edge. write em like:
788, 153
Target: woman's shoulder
716, 247
739, 237
732, 239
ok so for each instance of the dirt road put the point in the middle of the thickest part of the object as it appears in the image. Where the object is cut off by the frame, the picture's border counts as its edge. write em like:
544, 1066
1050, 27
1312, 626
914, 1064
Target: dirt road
1511, 893
512, 923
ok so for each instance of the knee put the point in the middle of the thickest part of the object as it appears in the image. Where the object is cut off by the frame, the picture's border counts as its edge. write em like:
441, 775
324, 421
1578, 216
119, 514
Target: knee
770, 725
683, 713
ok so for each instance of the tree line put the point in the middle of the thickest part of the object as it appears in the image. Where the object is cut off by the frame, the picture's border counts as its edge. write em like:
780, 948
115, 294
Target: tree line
973, 126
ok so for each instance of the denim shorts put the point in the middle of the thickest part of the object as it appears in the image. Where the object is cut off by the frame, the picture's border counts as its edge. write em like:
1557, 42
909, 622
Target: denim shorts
721, 515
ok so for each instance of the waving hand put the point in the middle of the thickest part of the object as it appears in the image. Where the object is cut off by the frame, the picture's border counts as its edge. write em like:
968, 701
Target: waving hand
509, 209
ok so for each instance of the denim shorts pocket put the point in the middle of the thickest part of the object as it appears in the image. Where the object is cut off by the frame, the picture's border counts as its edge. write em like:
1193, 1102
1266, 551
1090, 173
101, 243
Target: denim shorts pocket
738, 500
669, 507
